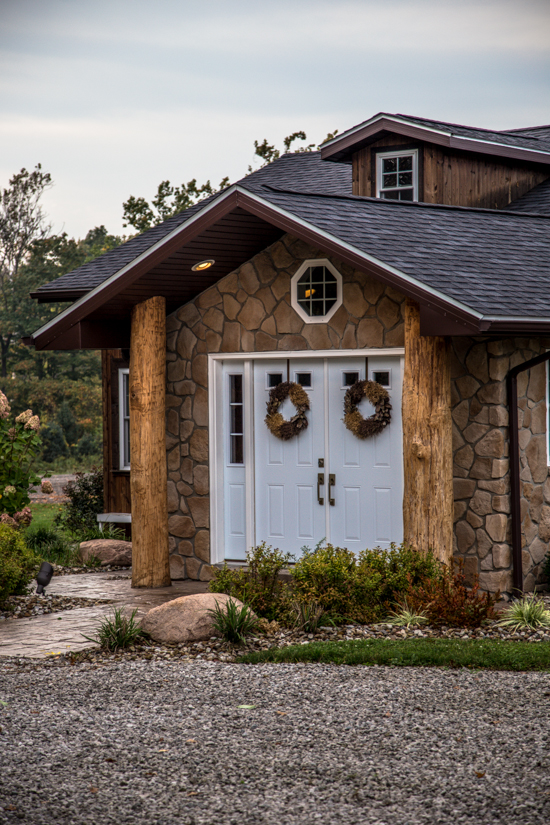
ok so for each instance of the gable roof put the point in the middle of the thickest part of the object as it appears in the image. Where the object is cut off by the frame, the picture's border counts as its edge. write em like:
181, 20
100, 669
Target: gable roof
304, 171
474, 267
530, 144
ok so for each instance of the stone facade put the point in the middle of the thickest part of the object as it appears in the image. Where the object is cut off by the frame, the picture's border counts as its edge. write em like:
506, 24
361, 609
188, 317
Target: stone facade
481, 459
249, 311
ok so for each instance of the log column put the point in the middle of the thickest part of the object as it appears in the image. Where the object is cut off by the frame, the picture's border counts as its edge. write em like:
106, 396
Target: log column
427, 440
148, 482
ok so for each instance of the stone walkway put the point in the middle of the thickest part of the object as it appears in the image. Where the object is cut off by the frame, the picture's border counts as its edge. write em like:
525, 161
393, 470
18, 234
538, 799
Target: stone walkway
56, 633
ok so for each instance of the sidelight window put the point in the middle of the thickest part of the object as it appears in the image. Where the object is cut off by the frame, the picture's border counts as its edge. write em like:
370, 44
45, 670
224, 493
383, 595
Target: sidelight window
124, 418
236, 422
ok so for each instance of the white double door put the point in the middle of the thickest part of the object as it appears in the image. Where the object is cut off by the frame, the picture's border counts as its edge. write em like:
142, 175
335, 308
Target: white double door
323, 484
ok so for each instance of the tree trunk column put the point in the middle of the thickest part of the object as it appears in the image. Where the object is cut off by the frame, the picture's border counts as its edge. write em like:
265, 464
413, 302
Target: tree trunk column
148, 482
427, 440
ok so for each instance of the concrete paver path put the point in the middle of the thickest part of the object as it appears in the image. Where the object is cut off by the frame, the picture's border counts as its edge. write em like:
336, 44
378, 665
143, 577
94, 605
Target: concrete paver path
41, 636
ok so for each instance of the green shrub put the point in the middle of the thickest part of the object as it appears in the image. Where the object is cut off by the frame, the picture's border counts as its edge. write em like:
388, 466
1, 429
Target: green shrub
233, 622
85, 502
51, 546
18, 563
258, 585
54, 444
89, 444
362, 588
19, 446
68, 423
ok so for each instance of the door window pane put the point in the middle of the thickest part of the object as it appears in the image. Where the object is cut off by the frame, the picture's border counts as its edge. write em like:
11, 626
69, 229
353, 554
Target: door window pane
236, 421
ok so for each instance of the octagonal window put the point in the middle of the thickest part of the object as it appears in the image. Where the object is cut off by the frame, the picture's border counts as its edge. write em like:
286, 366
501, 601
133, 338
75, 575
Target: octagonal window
316, 291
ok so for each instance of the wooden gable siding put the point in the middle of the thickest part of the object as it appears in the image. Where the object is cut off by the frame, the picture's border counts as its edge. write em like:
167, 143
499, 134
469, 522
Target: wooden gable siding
451, 177
116, 483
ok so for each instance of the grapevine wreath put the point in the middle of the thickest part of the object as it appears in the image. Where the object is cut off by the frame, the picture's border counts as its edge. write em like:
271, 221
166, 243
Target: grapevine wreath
378, 397
276, 424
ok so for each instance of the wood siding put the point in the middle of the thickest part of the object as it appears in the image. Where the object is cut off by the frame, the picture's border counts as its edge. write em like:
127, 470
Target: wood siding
116, 482
451, 177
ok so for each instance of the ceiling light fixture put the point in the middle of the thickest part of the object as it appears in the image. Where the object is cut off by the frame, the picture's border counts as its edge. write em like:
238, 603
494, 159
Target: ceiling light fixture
203, 265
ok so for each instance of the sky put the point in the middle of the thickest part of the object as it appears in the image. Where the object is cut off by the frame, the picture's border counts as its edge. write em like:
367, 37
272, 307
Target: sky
114, 96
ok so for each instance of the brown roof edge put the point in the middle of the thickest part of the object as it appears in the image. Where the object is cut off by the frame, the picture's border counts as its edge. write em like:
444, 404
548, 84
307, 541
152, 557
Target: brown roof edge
116, 283
339, 150
465, 319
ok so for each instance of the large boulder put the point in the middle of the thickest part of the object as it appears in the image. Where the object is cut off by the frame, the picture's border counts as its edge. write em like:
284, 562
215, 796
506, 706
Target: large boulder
108, 551
185, 619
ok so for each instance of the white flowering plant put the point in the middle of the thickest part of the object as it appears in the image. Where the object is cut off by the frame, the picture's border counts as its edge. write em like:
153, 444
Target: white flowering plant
19, 446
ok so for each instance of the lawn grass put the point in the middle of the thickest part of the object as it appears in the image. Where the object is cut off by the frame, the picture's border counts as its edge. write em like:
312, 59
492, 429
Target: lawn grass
44, 513
488, 654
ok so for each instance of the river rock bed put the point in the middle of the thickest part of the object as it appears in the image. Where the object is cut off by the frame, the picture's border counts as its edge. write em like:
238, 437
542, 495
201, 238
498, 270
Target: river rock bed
26, 607
217, 650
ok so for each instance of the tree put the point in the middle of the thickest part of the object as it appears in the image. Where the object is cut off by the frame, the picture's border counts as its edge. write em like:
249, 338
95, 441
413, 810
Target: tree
170, 200
22, 223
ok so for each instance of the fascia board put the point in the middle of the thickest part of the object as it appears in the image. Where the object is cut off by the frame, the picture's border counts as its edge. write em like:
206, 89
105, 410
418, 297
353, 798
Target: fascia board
125, 275
376, 119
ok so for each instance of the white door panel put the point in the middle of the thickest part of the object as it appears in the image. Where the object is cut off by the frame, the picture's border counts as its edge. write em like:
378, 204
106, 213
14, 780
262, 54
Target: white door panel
284, 496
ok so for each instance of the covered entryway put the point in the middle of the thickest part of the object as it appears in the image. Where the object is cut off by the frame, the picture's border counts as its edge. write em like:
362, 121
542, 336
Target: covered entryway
325, 483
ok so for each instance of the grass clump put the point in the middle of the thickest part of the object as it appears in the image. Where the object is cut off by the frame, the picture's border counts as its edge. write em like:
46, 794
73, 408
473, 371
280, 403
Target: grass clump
528, 613
52, 546
403, 616
232, 622
117, 632
18, 563
452, 653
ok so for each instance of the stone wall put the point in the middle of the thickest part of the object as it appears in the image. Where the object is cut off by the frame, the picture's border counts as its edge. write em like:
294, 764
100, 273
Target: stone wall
249, 311
481, 459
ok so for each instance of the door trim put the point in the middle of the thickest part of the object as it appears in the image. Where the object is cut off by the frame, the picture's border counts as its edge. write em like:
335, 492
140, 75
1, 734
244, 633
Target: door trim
216, 437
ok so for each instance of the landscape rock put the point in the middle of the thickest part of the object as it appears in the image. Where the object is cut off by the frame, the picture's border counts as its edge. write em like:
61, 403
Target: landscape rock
108, 551
185, 619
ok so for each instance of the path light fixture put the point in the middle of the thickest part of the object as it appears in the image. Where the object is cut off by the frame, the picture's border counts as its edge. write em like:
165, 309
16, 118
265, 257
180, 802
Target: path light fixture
44, 578
201, 265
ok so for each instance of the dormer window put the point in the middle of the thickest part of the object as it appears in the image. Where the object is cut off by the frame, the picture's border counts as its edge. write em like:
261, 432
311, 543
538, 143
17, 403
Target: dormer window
397, 175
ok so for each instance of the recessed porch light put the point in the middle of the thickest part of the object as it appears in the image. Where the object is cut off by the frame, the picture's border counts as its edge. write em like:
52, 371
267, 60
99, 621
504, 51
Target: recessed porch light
203, 265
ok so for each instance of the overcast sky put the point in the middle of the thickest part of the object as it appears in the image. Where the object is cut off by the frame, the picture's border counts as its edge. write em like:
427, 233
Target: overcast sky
113, 96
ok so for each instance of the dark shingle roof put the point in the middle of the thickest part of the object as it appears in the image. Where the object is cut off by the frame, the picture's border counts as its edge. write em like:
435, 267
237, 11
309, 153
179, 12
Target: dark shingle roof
537, 138
488, 260
536, 201
304, 171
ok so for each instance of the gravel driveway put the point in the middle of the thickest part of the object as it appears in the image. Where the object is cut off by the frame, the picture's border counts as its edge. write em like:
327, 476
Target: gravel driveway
166, 744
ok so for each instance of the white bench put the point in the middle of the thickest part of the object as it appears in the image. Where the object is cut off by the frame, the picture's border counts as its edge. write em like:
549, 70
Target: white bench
113, 518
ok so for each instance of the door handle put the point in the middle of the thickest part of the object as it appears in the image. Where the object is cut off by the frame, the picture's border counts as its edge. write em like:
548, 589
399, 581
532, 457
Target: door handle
320, 482
331, 483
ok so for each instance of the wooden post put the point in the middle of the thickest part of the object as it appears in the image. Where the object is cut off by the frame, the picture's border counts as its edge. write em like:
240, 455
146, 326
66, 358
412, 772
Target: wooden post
427, 440
150, 561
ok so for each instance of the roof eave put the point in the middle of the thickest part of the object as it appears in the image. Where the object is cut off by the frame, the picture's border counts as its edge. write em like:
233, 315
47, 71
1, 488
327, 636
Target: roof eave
341, 148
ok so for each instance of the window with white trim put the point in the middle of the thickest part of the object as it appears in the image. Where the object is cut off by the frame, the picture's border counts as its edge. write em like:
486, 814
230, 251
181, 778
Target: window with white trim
124, 418
316, 291
397, 175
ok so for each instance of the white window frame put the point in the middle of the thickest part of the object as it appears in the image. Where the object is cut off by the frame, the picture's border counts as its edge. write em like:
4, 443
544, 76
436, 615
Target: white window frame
122, 418
315, 319
380, 156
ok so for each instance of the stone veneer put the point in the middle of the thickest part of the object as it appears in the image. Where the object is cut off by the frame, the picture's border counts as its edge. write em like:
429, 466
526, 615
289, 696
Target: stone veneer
481, 459
249, 311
